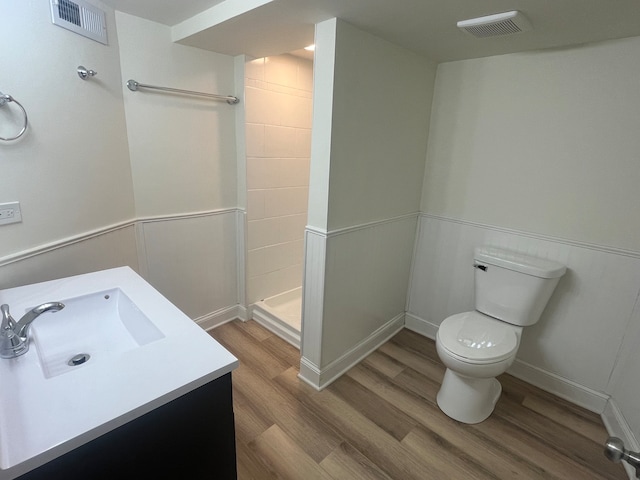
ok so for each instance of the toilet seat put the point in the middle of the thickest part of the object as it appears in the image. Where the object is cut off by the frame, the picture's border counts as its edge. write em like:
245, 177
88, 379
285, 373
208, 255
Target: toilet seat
473, 337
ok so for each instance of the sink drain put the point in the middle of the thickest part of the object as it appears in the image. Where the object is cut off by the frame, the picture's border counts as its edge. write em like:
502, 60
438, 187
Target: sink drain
78, 359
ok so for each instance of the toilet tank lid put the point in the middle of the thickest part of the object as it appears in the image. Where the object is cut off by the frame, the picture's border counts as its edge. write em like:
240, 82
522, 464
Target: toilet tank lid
519, 262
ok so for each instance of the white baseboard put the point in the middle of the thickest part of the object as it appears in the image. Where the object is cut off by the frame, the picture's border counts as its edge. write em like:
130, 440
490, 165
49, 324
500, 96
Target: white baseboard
617, 426
421, 326
320, 378
560, 386
243, 313
219, 317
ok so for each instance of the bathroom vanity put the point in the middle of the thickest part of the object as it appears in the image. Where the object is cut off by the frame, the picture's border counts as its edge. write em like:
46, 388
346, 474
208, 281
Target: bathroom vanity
151, 397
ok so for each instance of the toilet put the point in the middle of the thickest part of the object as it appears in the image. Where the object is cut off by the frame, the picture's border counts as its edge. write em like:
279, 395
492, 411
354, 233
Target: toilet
511, 291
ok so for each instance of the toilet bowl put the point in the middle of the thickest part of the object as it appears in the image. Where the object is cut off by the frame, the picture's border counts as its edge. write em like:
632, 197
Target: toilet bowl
511, 291
475, 348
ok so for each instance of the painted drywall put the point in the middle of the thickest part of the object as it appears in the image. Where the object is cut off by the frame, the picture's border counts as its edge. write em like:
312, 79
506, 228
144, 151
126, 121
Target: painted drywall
70, 170
381, 100
183, 159
541, 141
278, 133
367, 151
323, 75
182, 148
108, 249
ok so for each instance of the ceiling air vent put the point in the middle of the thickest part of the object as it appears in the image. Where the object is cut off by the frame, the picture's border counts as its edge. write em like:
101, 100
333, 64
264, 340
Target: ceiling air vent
80, 17
494, 25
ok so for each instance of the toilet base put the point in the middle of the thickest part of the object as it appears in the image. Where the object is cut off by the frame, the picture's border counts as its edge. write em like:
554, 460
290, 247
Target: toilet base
466, 399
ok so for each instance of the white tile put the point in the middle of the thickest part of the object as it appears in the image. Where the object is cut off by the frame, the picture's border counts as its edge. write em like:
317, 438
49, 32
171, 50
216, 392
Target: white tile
257, 288
255, 139
279, 142
255, 204
300, 199
304, 80
261, 106
294, 172
256, 264
275, 257
295, 111
303, 142
285, 201
254, 69
256, 172
281, 70
264, 173
263, 232
297, 249
292, 227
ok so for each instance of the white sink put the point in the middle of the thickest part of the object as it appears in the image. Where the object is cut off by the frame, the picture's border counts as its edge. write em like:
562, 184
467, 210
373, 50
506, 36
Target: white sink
92, 328
143, 353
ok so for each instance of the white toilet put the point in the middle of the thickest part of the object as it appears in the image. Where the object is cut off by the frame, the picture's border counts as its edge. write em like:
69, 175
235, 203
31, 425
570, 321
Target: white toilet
511, 291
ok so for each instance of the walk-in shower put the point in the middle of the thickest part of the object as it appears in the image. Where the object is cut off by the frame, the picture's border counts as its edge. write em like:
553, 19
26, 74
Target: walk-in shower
278, 103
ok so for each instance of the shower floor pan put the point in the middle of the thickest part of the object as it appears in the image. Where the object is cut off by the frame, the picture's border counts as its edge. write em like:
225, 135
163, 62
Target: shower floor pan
281, 314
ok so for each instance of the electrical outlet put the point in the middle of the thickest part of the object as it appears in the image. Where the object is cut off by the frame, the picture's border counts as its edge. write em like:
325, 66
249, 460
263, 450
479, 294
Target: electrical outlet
10, 213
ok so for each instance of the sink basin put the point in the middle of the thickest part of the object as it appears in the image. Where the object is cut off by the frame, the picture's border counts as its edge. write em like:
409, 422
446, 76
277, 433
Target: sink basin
91, 328
134, 352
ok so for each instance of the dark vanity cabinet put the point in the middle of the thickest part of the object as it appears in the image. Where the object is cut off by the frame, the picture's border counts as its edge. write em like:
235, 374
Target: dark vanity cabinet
190, 437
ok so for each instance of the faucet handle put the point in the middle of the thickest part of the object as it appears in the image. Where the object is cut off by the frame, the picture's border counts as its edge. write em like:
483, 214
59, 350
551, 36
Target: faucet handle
11, 345
7, 320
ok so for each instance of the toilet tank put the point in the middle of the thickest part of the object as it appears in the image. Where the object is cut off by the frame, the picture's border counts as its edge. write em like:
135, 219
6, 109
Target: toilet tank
513, 287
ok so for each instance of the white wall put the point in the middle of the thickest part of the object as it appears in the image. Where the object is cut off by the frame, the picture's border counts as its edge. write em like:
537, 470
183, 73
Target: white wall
182, 148
183, 159
538, 152
70, 170
278, 132
381, 101
540, 141
367, 161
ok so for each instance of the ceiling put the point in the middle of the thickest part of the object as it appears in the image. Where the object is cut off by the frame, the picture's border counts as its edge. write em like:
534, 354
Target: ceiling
268, 27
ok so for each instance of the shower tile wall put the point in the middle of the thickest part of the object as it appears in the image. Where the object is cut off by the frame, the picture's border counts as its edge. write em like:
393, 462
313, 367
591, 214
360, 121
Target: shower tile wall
278, 92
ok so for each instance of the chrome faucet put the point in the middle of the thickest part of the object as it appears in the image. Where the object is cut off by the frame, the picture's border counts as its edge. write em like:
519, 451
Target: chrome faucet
14, 336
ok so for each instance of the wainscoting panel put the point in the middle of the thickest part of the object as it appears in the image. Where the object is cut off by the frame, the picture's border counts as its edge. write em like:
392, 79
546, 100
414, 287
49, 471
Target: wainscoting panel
355, 287
109, 248
366, 279
193, 262
313, 304
577, 339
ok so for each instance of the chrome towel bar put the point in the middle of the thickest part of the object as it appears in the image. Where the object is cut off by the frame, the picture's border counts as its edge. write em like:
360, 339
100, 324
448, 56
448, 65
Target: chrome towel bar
231, 100
4, 99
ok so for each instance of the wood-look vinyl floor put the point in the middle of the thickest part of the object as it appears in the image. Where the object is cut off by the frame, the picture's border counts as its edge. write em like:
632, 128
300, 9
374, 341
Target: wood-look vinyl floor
380, 420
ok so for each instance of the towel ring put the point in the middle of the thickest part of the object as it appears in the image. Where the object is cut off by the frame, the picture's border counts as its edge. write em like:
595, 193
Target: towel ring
4, 99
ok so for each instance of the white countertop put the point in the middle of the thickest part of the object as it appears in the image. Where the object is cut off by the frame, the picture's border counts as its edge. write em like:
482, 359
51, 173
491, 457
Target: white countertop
42, 418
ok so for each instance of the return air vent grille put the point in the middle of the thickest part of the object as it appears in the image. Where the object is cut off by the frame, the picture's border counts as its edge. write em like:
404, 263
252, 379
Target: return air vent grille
495, 25
80, 17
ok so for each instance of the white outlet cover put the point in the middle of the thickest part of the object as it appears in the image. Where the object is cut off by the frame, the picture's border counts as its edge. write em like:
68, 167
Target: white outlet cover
10, 213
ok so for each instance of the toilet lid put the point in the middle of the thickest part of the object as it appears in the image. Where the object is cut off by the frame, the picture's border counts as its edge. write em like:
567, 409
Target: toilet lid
477, 337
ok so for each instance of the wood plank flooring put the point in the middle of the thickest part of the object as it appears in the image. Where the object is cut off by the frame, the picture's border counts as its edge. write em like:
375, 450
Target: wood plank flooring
380, 421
